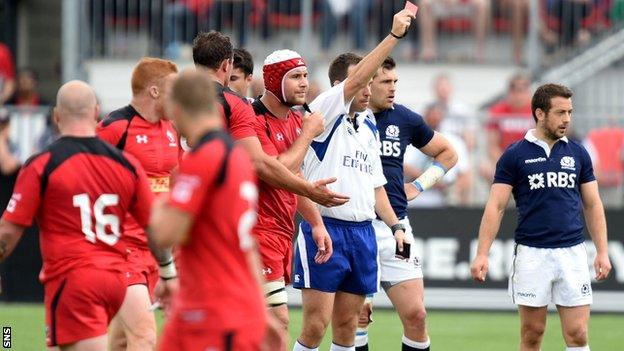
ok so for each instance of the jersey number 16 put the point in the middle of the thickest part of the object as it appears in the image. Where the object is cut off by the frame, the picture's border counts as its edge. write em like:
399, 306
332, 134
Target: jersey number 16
102, 220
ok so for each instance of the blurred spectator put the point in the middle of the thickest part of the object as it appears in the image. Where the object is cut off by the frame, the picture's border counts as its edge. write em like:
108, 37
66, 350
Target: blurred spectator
459, 118
564, 22
181, 23
517, 11
7, 74
242, 73
454, 188
509, 120
333, 11
9, 160
432, 10
606, 148
27, 90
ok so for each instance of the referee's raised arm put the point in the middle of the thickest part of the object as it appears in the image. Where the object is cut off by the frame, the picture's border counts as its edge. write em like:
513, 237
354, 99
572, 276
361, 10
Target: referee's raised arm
364, 71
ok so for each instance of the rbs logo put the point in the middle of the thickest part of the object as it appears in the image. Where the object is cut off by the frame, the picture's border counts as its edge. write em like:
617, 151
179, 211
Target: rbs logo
552, 180
390, 148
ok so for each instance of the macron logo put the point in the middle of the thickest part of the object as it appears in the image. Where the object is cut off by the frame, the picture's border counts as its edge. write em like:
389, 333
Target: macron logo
535, 160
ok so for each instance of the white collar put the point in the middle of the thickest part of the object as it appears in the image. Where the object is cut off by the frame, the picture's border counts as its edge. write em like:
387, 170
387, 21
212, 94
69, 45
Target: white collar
530, 137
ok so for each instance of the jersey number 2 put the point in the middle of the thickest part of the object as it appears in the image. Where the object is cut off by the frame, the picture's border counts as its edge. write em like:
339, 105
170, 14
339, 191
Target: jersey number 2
102, 220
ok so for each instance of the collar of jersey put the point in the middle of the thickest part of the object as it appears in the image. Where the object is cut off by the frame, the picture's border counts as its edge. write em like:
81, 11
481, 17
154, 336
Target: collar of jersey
530, 137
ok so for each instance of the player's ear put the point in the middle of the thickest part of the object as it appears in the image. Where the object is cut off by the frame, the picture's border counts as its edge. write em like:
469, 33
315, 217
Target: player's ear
225, 65
56, 116
539, 113
153, 91
97, 113
336, 82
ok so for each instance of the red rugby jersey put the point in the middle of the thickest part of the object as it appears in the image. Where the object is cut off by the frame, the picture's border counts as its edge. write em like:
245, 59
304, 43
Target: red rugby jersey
80, 190
155, 145
217, 187
238, 116
276, 207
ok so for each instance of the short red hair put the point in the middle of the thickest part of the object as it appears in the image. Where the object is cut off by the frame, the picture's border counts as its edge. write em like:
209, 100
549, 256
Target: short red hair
149, 71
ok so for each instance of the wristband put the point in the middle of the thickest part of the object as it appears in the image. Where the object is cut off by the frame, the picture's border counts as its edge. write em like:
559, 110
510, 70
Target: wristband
168, 270
398, 37
398, 226
429, 177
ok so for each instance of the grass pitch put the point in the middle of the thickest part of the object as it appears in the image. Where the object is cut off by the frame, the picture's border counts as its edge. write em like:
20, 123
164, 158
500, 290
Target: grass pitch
449, 330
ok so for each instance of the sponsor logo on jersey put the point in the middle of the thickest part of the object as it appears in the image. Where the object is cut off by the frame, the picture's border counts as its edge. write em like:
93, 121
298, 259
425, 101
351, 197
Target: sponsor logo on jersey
359, 161
141, 139
390, 148
567, 162
172, 140
552, 180
266, 271
13, 202
535, 160
392, 132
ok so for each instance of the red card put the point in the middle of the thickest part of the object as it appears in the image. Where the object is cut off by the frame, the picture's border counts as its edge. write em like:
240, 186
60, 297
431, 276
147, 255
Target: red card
411, 7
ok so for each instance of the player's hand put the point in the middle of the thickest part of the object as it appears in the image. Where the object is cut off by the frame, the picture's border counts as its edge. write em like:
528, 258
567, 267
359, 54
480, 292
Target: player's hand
602, 266
164, 292
275, 337
401, 22
411, 191
399, 236
312, 125
364, 319
321, 194
323, 242
479, 268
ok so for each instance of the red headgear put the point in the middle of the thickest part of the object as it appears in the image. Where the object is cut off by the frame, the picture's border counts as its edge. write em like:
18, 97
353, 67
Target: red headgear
276, 67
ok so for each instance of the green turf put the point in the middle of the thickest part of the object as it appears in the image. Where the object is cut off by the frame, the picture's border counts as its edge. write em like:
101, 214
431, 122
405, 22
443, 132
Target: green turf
466, 331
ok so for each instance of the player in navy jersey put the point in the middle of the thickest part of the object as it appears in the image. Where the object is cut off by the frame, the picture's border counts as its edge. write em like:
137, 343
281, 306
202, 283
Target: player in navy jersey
553, 183
401, 278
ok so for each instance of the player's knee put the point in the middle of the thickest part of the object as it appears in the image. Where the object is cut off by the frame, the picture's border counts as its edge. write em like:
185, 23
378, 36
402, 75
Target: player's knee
415, 317
532, 333
314, 329
142, 336
576, 335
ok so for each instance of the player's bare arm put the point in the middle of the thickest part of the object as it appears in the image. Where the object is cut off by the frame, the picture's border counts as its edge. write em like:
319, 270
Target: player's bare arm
386, 213
277, 175
10, 235
597, 227
321, 237
364, 71
312, 126
168, 226
443, 153
490, 224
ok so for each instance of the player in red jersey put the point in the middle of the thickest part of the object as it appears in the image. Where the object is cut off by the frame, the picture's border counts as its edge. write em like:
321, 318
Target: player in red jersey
79, 189
210, 213
285, 134
143, 130
212, 53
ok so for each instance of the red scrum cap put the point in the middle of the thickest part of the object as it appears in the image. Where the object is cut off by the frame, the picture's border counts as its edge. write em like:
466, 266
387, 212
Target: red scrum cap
276, 66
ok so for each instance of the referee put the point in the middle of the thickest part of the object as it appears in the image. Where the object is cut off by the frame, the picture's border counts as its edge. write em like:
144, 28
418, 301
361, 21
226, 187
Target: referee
552, 181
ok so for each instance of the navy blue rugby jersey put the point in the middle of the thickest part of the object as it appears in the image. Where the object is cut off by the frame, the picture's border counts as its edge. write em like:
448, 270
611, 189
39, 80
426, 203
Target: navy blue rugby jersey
398, 127
546, 186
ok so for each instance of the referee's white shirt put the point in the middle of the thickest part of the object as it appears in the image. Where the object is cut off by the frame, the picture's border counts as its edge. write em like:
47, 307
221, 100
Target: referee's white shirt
351, 156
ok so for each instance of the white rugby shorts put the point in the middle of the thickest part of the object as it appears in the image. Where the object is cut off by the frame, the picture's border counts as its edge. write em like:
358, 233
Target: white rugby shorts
542, 275
392, 269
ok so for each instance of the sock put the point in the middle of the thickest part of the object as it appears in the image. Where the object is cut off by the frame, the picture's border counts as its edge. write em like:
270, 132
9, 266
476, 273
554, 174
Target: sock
336, 347
411, 345
300, 347
577, 348
361, 339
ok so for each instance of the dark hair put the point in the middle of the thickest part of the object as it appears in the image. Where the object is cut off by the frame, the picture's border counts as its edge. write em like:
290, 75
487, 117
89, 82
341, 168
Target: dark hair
210, 49
543, 95
388, 63
339, 68
243, 60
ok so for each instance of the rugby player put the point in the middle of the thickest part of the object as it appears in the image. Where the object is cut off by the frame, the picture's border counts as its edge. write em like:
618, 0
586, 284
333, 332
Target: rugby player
143, 129
242, 72
209, 215
402, 279
81, 190
553, 183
